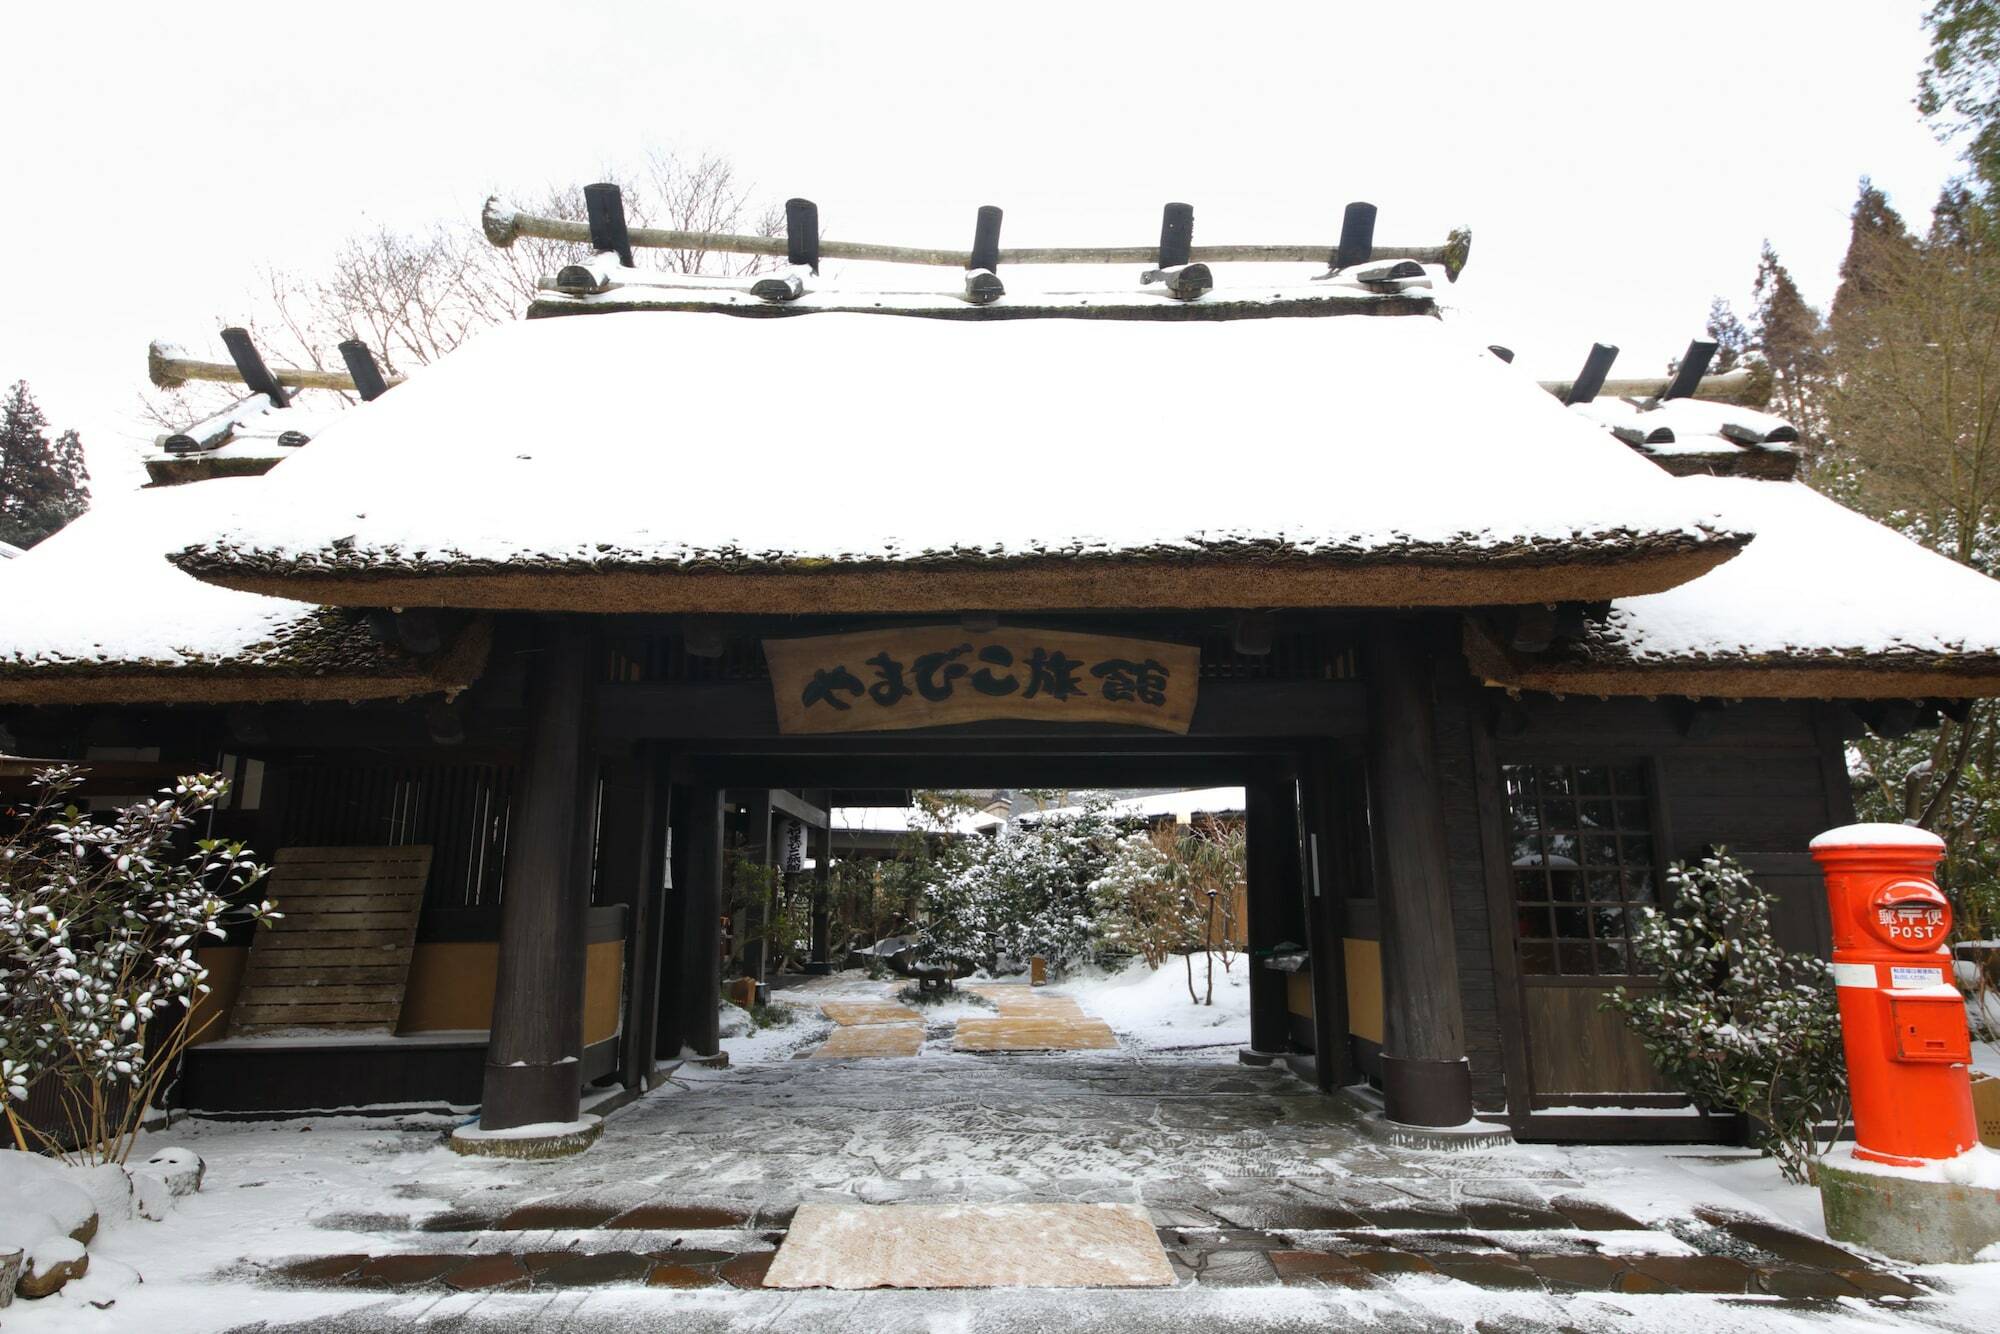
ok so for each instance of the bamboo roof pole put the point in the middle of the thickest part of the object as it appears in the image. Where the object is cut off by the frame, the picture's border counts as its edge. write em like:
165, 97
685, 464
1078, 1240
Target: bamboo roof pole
169, 370
503, 226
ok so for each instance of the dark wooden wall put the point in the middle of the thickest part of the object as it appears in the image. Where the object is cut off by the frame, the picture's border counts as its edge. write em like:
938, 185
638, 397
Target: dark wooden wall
1759, 778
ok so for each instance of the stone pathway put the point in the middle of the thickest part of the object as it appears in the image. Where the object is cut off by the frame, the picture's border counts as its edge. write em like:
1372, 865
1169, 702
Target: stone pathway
1249, 1178
1033, 1020
869, 1028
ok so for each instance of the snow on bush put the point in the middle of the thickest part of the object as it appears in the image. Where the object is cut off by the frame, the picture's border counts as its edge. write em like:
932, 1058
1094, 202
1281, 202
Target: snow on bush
98, 925
1027, 891
1737, 1022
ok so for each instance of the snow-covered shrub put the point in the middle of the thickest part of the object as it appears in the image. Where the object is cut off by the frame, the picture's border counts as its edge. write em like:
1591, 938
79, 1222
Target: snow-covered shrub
1738, 1023
99, 920
1142, 905
1025, 892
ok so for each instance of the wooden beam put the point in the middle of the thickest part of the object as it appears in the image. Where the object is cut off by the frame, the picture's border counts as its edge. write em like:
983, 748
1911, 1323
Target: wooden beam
1728, 386
1426, 1080
1328, 787
820, 959
787, 803
537, 1034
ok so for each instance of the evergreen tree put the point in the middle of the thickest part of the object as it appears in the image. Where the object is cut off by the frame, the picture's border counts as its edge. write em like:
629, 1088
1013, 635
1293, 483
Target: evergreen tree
1732, 340
43, 483
1959, 92
1878, 248
1789, 337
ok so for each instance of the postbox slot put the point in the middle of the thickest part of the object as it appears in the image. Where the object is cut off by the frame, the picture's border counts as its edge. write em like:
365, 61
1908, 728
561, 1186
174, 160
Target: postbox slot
1929, 1028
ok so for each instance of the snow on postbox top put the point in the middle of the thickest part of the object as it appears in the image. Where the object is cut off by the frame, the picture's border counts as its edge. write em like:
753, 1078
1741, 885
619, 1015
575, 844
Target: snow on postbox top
1879, 836
607, 464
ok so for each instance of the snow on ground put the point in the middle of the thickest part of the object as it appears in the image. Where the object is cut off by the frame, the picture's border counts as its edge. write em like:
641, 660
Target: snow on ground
1149, 1008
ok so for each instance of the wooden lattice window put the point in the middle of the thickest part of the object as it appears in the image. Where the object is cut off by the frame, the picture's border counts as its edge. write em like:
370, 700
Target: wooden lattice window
1581, 838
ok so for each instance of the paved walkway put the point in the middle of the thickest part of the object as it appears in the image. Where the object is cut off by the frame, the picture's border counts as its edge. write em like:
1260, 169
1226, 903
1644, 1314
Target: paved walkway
1275, 1211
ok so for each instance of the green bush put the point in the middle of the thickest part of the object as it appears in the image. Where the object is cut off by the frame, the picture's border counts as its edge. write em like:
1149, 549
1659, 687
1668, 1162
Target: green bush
1738, 1023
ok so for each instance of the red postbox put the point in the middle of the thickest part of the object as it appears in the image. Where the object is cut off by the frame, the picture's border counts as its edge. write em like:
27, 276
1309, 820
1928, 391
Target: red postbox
1902, 1020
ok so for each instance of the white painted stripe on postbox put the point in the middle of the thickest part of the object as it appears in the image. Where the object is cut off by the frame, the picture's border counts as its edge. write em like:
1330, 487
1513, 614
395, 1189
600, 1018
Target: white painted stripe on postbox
1854, 975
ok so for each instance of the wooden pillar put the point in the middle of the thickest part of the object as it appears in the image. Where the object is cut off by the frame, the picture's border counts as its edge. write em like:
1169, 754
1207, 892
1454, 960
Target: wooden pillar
755, 950
1272, 874
1326, 791
534, 1052
822, 890
701, 965
1425, 1078
642, 855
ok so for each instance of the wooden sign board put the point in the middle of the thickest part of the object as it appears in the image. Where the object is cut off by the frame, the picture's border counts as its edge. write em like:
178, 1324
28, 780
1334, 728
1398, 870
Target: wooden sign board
938, 675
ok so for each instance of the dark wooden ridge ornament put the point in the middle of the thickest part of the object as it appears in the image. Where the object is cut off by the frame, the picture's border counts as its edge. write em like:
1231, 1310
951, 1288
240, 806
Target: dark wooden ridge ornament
802, 234
1694, 365
605, 204
1184, 281
982, 284
1357, 236
368, 381
1591, 378
250, 365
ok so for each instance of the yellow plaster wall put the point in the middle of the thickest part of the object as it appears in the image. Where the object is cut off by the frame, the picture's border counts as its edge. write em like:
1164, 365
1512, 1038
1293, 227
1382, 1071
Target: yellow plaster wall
450, 987
1299, 993
1364, 988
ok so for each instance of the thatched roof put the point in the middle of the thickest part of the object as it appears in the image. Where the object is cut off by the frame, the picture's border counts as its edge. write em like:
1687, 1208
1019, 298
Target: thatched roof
666, 461
96, 613
1825, 603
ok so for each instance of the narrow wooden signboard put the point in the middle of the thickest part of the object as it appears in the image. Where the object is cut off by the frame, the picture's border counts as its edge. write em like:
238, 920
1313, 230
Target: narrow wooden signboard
938, 675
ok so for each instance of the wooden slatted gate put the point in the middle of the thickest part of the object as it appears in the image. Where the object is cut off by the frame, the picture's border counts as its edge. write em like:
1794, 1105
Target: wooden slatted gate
340, 957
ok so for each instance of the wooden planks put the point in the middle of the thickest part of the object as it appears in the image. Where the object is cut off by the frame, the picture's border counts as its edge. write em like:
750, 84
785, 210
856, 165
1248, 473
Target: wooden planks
340, 958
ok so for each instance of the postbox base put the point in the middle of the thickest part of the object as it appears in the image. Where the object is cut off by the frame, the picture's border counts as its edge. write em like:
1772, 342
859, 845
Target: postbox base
1907, 1217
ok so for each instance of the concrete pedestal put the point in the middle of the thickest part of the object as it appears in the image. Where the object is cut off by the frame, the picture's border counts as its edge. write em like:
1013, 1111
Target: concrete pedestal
554, 1140
1925, 1222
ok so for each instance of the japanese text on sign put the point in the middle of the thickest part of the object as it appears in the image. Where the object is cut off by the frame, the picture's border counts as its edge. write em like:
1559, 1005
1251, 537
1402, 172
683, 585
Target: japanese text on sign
937, 675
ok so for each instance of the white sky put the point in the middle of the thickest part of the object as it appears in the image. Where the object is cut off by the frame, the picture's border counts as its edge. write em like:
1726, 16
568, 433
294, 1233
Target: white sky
1619, 163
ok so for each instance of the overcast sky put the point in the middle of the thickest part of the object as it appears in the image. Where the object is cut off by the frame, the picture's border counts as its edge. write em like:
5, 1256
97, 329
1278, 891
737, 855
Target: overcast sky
1619, 164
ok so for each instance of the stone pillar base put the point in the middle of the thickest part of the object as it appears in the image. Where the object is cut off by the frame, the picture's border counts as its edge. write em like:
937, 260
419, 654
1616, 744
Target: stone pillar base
1251, 1056
1904, 1216
547, 1140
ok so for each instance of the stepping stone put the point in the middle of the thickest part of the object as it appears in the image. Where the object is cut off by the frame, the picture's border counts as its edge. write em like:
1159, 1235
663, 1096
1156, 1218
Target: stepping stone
1506, 1217
405, 1271
1488, 1271
1034, 1034
862, 1041
869, 1012
1320, 1269
854, 1247
1782, 1241
488, 1273
749, 1270
679, 1218
1578, 1273
680, 1276
593, 1270
1234, 1269
1694, 1273
555, 1217
1799, 1283
324, 1269
1389, 1264
1595, 1215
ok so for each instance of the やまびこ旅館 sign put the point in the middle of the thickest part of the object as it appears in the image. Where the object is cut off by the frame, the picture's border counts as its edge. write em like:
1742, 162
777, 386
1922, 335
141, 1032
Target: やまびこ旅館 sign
934, 676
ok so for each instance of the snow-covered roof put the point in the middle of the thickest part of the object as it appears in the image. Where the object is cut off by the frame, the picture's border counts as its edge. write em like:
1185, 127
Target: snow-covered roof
905, 819
8, 551
1825, 602
648, 461
248, 437
1180, 805
1688, 436
97, 612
